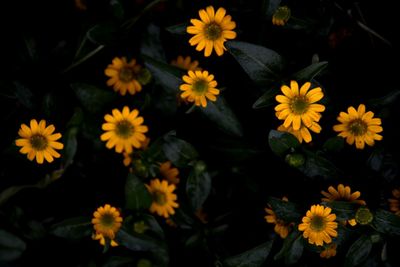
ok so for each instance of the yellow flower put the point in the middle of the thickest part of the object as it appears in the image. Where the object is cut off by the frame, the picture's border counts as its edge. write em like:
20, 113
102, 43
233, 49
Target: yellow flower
303, 133
169, 173
164, 200
198, 87
107, 221
39, 141
329, 251
123, 76
124, 130
127, 161
281, 227
281, 16
319, 225
102, 240
359, 126
343, 193
211, 31
186, 63
298, 107
394, 203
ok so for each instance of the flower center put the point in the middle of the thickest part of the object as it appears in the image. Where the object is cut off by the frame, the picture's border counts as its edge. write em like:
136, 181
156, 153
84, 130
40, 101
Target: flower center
126, 75
107, 220
124, 129
299, 105
38, 142
358, 127
282, 13
317, 223
160, 198
200, 87
213, 31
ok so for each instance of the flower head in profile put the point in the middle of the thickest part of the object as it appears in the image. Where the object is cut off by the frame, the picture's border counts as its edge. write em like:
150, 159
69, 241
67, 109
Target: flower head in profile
127, 161
281, 16
329, 251
211, 31
169, 173
185, 63
359, 127
39, 141
164, 200
102, 240
299, 107
124, 130
124, 76
319, 225
303, 134
198, 87
394, 203
281, 227
107, 221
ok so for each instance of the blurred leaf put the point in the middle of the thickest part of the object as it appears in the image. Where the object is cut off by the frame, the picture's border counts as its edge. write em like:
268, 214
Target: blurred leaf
359, 251
375, 160
117, 9
198, 187
178, 151
73, 228
24, 95
263, 65
270, 6
386, 222
287, 244
116, 261
222, 115
386, 100
234, 150
11, 247
318, 166
136, 194
11, 191
344, 210
268, 98
251, 258
151, 45
183, 219
334, 144
154, 226
92, 98
178, 29
103, 34
308, 73
71, 145
295, 251
281, 142
135, 242
194, 240
284, 210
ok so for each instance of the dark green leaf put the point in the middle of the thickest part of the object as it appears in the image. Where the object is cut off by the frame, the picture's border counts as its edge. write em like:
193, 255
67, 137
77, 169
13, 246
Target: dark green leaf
359, 251
344, 210
386, 222
71, 145
154, 226
117, 9
151, 44
287, 244
92, 98
178, 151
198, 187
135, 242
318, 166
263, 65
116, 261
136, 194
251, 258
11, 247
103, 34
178, 29
308, 73
269, 7
295, 251
222, 115
11, 191
386, 100
74, 228
24, 95
375, 160
281, 142
334, 144
284, 210
268, 98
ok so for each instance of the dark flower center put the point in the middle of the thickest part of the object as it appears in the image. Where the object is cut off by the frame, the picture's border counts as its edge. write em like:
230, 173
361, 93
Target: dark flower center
126, 75
160, 198
299, 105
317, 223
107, 220
124, 129
213, 31
39, 142
358, 127
200, 87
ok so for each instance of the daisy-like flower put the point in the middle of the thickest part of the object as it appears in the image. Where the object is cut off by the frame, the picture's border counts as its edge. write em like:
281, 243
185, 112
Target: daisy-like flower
164, 200
319, 225
124, 76
198, 87
329, 251
127, 161
169, 173
124, 130
359, 127
298, 107
39, 141
281, 16
107, 221
394, 203
212, 30
281, 227
186, 63
303, 134
102, 240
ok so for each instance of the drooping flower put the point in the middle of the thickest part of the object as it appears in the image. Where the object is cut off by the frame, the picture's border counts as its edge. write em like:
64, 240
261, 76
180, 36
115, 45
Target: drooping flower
124, 130
329, 251
185, 63
281, 16
211, 31
39, 141
298, 107
281, 227
169, 173
394, 203
164, 200
198, 87
124, 76
107, 221
319, 225
359, 127
102, 240
303, 134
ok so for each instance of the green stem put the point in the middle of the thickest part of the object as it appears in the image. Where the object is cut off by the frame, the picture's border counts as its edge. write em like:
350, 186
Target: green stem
83, 59
130, 22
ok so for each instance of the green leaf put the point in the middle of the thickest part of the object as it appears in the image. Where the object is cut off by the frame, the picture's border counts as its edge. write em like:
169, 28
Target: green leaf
222, 115
178, 29
11, 246
386, 100
334, 144
71, 145
11, 191
135, 242
198, 187
263, 65
268, 98
281, 142
359, 251
178, 151
73, 228
24, 95
318, 166
92, 98
103, 34
284, 210
269, 7
116, 261
136, 194
154, 225
375, 160
308, 73
151, 44
287, 244
251, 258
117, 9
294, 253
386, 222
344, 210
